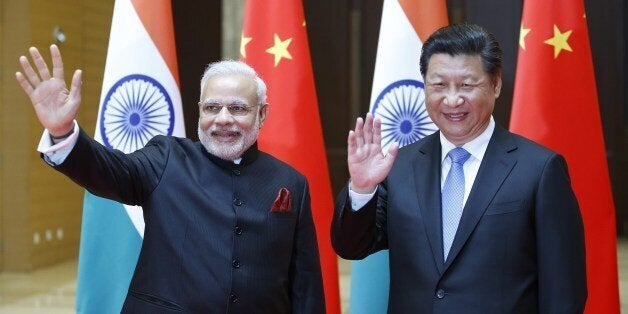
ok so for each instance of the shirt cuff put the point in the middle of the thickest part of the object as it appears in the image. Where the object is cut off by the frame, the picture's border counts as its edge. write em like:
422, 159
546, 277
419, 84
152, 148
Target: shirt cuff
358, 200
56, 153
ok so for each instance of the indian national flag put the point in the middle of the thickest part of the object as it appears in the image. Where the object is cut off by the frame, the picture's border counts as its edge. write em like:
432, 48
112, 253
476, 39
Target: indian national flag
140, 99
398, 99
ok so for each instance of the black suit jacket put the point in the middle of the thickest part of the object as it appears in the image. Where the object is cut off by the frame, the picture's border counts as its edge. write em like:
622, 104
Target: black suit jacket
519, 247
211, 243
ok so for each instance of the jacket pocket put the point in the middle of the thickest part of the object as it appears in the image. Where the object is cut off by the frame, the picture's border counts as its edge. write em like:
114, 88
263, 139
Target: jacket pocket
143, 301
282, 215
504, 207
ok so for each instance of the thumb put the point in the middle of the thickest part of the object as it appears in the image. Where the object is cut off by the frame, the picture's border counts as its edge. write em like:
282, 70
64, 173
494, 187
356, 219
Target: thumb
393, 150
75, 88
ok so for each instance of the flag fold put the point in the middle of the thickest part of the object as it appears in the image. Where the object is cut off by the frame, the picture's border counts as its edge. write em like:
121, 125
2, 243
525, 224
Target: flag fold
555, 104
275, 44
140, 99
398, 100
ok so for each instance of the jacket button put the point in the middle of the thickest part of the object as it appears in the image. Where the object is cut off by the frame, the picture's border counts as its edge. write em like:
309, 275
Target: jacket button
238, 230
236, 172
440, 293
233, 298
235, 263
238, 202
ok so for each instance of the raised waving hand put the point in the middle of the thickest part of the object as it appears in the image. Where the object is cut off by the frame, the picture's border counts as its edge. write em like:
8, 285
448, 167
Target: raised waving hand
367, 164
55, 106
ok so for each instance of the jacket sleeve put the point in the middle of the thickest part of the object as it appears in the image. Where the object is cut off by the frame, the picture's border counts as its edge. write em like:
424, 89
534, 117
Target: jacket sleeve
560, 242
109, 173
357, 234
306, 278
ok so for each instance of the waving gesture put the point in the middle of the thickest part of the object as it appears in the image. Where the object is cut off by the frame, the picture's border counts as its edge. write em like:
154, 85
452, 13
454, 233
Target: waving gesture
55, 106
367, 164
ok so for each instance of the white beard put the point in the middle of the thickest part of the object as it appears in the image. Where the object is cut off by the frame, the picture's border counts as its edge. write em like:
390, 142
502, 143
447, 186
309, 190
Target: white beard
228, 151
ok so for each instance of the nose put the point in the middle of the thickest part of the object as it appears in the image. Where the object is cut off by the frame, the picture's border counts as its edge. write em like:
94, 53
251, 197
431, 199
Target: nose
453, 98
223, 117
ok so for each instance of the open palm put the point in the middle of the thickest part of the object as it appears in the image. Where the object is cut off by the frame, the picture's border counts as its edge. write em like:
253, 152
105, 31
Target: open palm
55, 106
367, 164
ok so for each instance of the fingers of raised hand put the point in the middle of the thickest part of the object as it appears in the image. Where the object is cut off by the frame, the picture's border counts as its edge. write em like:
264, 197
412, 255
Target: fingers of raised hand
377, 132
41, 65
29, 74
26, 86
359, 132
57, 62
351, 144
368, 129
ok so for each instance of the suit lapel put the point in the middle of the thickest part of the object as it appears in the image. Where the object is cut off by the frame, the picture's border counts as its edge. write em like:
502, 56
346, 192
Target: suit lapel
495, 167
427, 177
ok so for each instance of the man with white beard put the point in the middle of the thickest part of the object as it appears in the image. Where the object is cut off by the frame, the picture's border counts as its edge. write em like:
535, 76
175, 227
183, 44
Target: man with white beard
228, 227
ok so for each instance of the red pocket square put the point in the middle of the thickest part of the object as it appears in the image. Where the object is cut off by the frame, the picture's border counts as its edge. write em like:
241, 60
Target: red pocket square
282, 202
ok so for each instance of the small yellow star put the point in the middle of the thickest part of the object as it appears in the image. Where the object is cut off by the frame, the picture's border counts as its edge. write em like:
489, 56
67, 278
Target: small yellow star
523, 32
280, 49
303, 23
243, 42
559, 41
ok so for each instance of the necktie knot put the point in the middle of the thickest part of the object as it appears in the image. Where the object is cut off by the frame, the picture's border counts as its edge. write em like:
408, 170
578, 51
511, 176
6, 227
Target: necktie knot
459, 155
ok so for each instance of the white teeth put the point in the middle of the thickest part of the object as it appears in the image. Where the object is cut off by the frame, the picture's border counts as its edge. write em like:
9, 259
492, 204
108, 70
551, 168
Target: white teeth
227, 135
456, 116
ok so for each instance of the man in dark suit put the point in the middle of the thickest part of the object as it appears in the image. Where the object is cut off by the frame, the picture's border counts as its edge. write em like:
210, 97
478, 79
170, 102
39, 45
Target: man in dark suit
228, 227
476, 219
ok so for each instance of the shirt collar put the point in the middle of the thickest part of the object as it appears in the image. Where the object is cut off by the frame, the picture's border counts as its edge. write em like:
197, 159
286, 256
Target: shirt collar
476, 147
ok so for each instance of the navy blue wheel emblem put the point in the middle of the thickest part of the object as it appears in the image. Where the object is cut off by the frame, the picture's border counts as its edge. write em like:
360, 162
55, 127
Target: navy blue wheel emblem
136, 108
401, 108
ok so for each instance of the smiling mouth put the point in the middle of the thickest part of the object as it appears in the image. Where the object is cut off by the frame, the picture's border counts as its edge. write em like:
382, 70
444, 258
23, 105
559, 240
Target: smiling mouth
456, 116
225, 136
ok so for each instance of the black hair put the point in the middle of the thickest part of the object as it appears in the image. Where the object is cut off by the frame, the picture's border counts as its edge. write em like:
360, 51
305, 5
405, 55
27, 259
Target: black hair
464, 39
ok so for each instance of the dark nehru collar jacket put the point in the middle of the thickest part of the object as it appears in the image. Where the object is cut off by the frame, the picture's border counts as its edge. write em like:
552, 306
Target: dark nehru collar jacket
212, 244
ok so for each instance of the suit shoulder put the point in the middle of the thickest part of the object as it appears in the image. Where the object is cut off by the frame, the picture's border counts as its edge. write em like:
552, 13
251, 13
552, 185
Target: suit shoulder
531, 148
278, 165
166, 145
172, 142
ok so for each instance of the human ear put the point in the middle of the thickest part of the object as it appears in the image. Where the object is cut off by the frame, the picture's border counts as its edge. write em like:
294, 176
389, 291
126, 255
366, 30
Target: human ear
263, 113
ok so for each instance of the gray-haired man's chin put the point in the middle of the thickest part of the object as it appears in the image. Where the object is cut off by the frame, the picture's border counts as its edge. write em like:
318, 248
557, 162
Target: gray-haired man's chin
228, 152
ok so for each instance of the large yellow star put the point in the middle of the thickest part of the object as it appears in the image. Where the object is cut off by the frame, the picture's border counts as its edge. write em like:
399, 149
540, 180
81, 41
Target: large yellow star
280, 49
243, 42
523, 32
559, 41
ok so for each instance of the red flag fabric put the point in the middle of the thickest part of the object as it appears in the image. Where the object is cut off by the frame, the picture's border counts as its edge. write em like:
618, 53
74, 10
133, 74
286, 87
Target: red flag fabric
555, 103
275, 44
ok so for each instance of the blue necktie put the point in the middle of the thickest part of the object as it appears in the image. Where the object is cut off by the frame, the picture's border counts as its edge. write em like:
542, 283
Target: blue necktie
452, 197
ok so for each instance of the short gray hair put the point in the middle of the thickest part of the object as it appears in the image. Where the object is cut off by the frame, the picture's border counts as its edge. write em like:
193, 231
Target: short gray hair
235, 67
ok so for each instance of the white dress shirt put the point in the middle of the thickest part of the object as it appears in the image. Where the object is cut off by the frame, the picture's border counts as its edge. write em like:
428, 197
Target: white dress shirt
56, 152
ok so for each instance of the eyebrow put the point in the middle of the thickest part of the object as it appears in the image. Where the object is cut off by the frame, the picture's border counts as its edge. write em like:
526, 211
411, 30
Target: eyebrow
239, 102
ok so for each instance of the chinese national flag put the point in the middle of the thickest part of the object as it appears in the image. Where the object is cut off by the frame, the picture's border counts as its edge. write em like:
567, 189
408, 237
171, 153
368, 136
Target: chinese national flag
555, 103
275, 44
